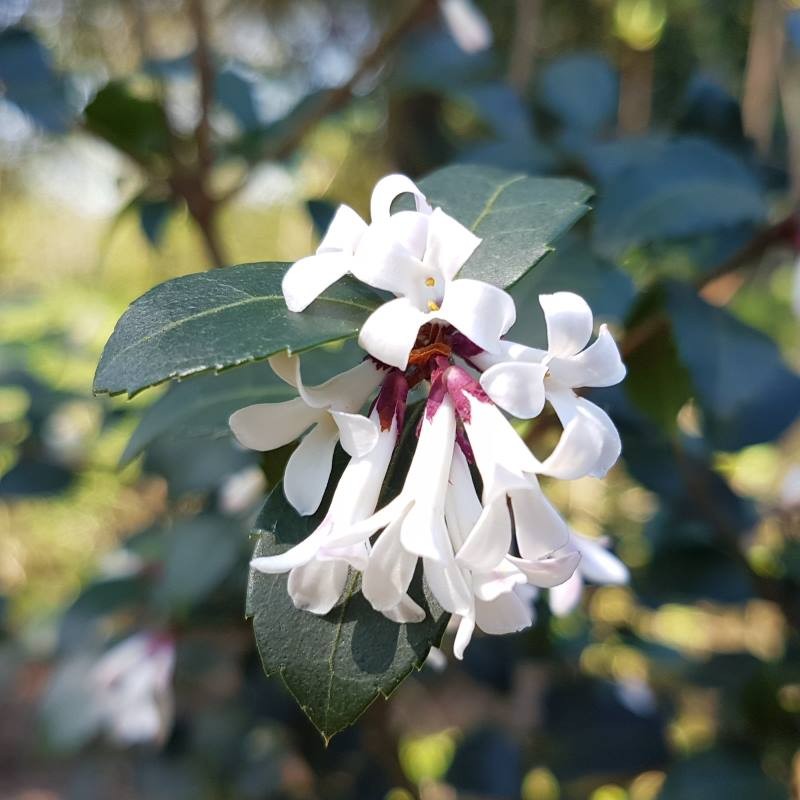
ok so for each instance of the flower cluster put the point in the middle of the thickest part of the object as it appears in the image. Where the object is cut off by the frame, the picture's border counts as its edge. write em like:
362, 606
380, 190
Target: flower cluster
481, 549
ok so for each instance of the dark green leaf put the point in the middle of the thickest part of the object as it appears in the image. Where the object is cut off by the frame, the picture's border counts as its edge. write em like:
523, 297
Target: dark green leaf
137, 126
672, 190
153, 216
336, 665
200, 552
28, 80
201, 406
580, 90
745, 391
517, 216
212, 321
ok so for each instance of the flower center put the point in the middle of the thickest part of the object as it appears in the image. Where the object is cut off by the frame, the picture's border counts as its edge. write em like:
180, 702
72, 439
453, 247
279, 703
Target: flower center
430, 281
433, 306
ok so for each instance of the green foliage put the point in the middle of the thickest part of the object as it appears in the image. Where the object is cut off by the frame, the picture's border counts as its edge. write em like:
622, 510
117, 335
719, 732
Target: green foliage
212, 321
336, 665
516, 216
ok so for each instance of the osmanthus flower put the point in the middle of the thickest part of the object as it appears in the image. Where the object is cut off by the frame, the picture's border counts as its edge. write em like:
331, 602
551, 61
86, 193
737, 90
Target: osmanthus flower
520, 379
415, 255
328, 410
597, 565
318, 566
500, 602
132, 683
335, 256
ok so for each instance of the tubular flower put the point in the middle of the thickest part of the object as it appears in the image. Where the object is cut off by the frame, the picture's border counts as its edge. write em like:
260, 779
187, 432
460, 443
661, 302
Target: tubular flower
483, 554
522, 378
317, 566
133, 684
328, 410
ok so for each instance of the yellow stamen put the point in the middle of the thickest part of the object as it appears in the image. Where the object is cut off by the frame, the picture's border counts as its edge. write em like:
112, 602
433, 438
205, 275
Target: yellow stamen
432, 306
430, 281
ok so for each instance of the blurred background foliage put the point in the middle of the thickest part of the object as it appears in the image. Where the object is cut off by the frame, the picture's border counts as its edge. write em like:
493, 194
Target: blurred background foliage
144, 139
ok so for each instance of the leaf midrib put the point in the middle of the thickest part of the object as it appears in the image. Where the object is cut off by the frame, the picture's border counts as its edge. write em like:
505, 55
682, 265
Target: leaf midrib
219, 309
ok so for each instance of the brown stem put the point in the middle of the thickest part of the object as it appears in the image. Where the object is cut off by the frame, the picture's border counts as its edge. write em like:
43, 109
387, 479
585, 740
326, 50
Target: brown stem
523, 43
759, 96
635, 90
205, 78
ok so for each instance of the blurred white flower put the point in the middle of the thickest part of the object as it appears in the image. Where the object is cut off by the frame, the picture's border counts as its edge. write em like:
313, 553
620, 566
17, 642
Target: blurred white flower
133, 686
467, 25
240, 492
329, 410
790, 488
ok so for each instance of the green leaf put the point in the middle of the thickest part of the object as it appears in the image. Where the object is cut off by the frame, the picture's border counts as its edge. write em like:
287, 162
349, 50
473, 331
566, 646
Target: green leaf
665, 190
201, 406
200, 552
221, 319
517, 216
746, 392
137, 126
337, 665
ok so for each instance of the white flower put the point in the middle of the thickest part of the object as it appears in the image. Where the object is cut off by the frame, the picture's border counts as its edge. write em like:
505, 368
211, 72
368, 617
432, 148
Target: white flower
335, 256
467, 25
318, 566
329, 410
499, 603
508, 470
133, 685
596, 565
414, 522
522, 378
416, 256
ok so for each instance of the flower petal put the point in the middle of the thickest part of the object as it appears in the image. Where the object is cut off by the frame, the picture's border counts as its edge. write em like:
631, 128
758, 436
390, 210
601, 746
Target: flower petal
569, 322
384, 259
462, 505
482, 312
390, 332
505, 614
309, 467
296, 556
347, 391
318, 585
600, 364
466, 627
598, 565
539, 528
405, 611
580, 412
309, 277
387, 189
516, 387
357, 433
489, 540
565, 597
285, 366
548, 572
449, 586
344, 232
265, 426
489, 586
449, 244
389, 570
578, 450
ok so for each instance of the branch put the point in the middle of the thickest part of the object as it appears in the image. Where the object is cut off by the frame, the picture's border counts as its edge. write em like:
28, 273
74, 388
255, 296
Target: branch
205, 78
336, 98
